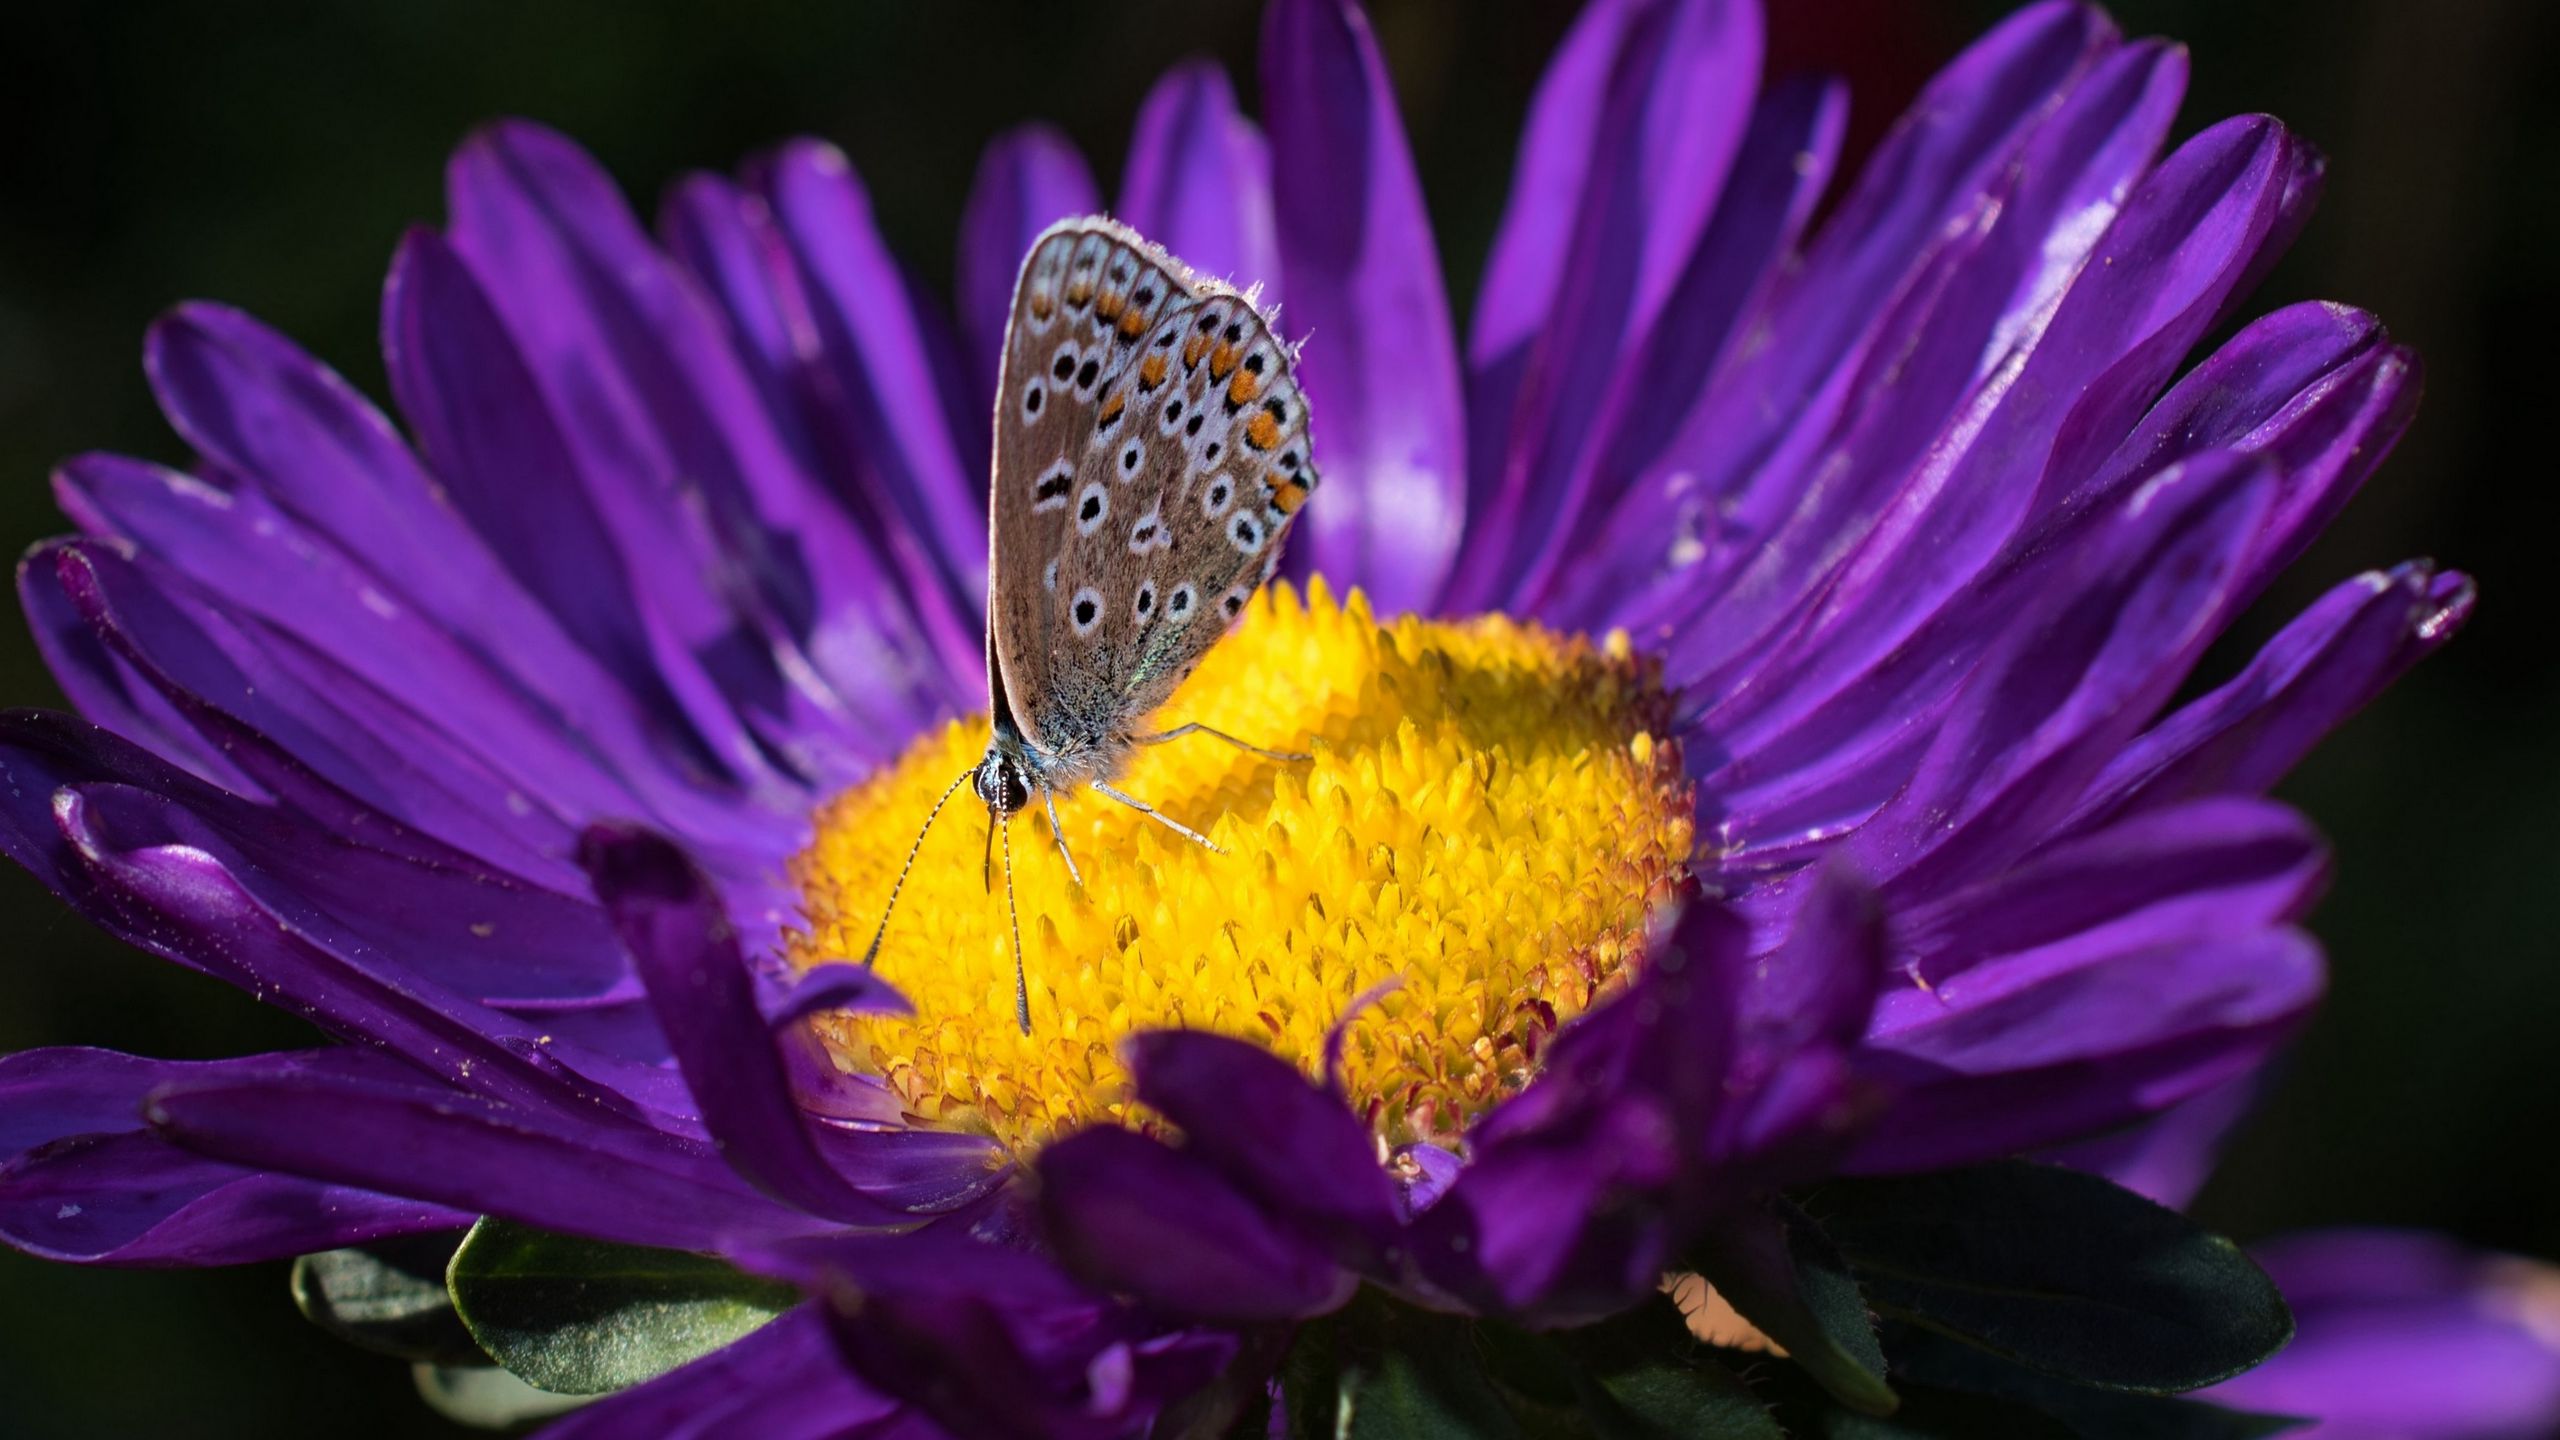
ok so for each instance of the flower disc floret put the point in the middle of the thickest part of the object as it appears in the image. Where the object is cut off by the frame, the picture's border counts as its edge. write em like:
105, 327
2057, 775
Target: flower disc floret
1488, 818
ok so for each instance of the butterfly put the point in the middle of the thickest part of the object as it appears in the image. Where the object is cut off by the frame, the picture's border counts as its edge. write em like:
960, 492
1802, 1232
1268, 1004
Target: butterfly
1150, 454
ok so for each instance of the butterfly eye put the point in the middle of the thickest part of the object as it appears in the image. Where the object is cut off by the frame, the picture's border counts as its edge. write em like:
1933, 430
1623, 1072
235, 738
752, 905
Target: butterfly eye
1130, 457
1220, 491
1092, 508
1085, 611
1234, 601
1146, 598
1179, 602
1032, 395
1065, 364
1086, 376
1247, 534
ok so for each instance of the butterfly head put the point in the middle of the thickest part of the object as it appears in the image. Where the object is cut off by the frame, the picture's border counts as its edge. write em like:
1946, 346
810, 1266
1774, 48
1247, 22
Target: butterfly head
1000, 782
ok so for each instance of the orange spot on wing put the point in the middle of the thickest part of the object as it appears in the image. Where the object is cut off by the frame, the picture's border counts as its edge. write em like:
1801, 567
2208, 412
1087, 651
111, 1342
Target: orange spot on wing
1192, 350
1111, 407
1288, 498
1222, 360
1151, 371
1108, 307
1042, 307
1262, 432
1245, 386
1079, 292
1132, 322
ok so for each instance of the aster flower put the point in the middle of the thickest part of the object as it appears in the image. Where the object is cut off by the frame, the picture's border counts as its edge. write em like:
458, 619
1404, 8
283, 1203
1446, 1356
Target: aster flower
554, 757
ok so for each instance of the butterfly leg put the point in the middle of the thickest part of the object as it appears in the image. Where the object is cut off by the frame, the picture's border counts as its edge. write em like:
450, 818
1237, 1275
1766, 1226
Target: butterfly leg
1152, 813
1194, 727
1050, 797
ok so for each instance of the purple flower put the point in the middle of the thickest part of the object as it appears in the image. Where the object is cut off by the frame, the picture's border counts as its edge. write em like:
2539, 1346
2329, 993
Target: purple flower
490, 749
2410, 1337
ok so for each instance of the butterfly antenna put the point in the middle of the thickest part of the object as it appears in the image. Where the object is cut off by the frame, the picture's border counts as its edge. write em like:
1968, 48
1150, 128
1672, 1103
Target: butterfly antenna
1021, 986
912, 851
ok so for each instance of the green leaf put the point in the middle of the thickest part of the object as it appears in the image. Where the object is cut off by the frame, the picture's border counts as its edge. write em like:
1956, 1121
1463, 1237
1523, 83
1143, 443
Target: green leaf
1643, 1376
2092, 1413
1380, 1370
1384, 1370
2058, 1271
388, 1297
581, 1317
488, 1398
1785, 1277
1925, 1414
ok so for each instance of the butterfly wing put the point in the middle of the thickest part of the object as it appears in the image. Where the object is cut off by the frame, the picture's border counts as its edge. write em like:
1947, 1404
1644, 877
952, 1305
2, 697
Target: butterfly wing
1151, 452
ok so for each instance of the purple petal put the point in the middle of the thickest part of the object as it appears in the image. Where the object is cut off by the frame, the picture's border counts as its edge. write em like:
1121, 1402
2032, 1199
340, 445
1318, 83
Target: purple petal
145, 881
2066, 688
2168, 1158
1030, 178
2315, 385
1136, 1218
894, 646
1581, 1187
786, 1381
261, 563
1672, 114
655, 405
2071, 1040
50, 1094
85, 1184
1363, 281
216, 671
839, 985
2406, 1336
1199, 180
648, 395
1531, 246
905, 481
1562, 1223
2328, 664
107, 690
1949, 154
1244, 1111
439, 915
688, 956
293, 432
606, 1180
482, 419
1820, 984
1978, 290
133, 1199
1782, 170
2213, 867
994, 1341
2161, 274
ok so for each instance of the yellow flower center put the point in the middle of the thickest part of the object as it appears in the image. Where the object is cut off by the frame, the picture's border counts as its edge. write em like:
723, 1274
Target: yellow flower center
1488, 817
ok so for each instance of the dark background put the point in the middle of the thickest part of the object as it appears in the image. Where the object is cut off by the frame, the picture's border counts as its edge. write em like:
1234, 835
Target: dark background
269, 155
